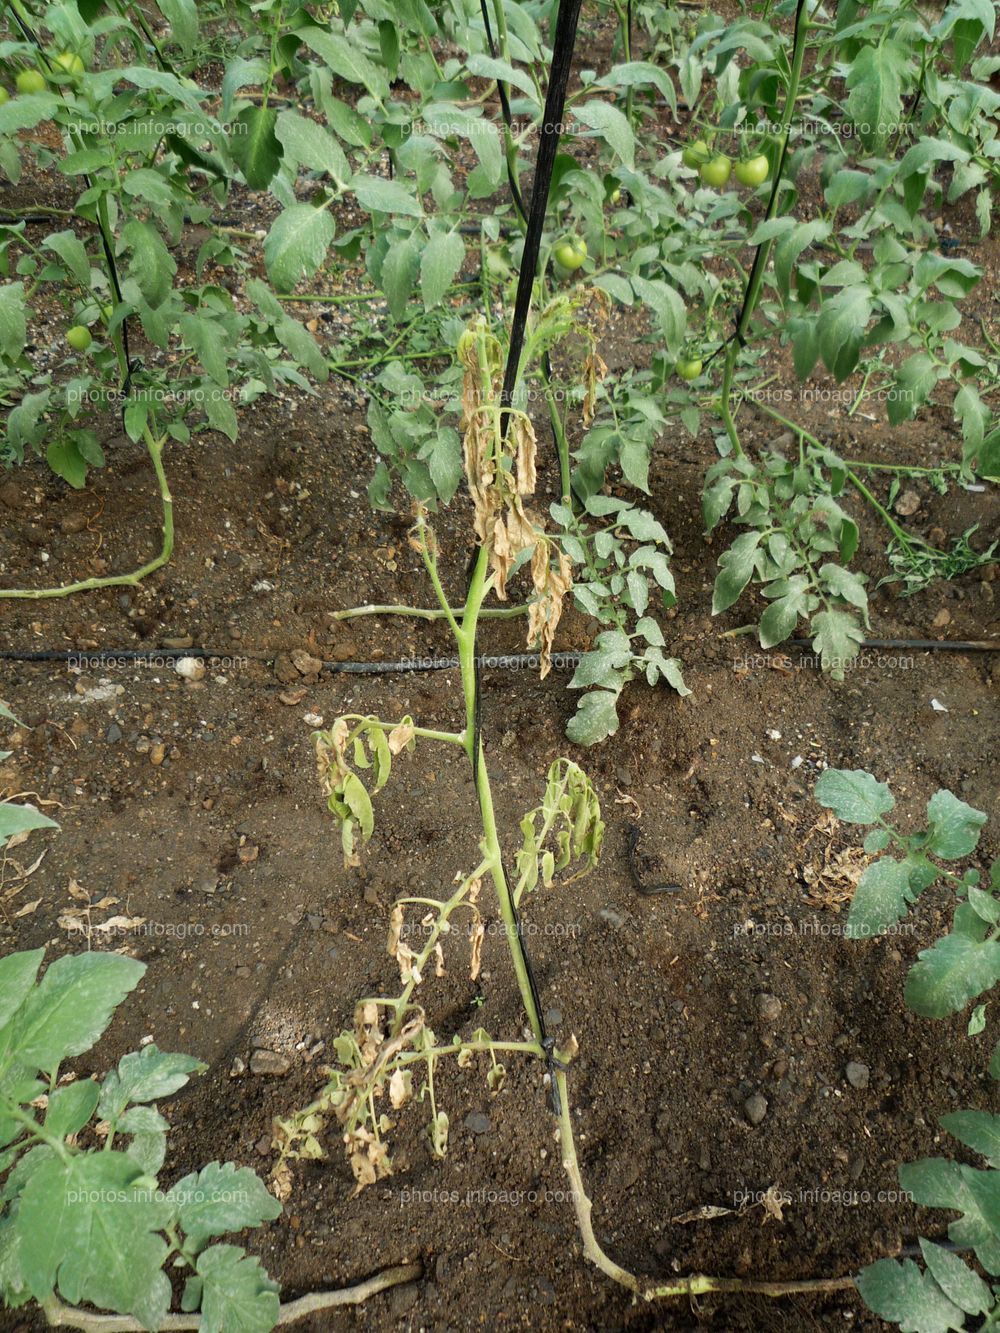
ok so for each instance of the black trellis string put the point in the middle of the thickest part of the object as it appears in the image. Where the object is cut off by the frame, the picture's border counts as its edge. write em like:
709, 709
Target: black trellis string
508, 119
555, 101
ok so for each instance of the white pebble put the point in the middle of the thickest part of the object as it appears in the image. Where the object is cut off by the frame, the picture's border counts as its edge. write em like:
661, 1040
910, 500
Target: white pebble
191, 668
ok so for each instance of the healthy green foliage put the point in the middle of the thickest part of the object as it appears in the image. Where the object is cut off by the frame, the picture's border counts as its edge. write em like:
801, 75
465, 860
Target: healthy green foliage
88, 1221
960, 966
621, 572
798, 542
956, 969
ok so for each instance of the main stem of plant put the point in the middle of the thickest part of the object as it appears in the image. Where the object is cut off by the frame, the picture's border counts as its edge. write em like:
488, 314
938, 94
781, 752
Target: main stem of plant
465, 638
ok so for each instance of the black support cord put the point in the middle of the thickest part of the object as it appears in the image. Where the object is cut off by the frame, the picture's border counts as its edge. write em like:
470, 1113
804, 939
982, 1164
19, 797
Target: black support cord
555, 101
508, 119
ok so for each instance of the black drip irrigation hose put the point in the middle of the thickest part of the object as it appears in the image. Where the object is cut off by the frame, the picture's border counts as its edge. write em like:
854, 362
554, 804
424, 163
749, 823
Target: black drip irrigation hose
95, 657
84, 657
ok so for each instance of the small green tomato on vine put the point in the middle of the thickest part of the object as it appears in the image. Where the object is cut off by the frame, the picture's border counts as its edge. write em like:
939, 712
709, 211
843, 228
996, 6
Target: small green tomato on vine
695, 154
754, 171
716, 171
30, 81
68, 62
571, 252
689, 368
4, 96
79, 337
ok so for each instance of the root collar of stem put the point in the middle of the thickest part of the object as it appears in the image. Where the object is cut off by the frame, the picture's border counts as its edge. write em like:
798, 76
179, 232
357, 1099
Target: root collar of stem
155, 449
65, 1316
698, 1284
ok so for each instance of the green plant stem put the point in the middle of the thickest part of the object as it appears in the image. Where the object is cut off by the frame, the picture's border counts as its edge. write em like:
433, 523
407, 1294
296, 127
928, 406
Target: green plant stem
466, 640
155, 449
321, 298
910, 469
427, 613
134, 12
803, 434
904, 469
65, 1316
422, 733
623, 21
898, 532
51, 1140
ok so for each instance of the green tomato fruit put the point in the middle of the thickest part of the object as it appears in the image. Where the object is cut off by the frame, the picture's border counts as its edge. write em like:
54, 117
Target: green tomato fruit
615, 196
695, 154
571, 253
715, 171
754, 171
68, 62
4, 96
689, 370
79, 337
30, 81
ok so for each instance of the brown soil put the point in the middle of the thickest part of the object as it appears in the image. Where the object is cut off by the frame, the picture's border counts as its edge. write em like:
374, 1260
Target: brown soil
258, 937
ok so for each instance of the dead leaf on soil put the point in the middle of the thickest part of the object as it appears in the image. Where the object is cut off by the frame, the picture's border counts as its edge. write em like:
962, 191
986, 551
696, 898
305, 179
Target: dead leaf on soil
774, 1204
706, 1212
832, 875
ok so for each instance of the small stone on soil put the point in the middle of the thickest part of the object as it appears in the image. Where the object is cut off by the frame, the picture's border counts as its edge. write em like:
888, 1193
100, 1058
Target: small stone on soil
768, 1008
191, 668
477, 1123
755, 1108
857, 1074
272, 1063
304, 663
